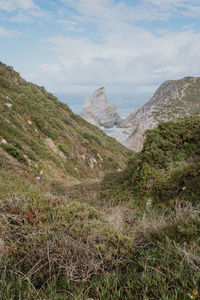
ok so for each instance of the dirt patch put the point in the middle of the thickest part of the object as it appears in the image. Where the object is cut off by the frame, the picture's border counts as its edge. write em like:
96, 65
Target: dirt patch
50, 143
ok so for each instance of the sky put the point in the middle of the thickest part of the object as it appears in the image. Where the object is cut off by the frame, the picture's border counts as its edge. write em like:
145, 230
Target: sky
76, 46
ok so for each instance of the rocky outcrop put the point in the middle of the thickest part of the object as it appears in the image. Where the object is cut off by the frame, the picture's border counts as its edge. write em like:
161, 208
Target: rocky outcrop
87, 115
173, 99
100, 112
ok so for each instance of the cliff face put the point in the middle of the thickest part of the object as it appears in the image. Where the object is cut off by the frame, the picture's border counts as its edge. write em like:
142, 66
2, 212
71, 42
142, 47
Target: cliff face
174, 99
87, 115
100, 112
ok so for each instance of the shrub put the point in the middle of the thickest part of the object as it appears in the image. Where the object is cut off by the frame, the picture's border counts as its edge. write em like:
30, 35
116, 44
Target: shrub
63, 148
16, 153
66, 240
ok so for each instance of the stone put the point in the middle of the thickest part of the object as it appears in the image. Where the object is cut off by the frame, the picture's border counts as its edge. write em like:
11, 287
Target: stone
87, 114
9, 105
3, 141
100, 112
171, 101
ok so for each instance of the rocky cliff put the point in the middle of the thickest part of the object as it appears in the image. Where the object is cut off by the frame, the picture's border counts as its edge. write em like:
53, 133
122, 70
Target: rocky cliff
174, 99
100, 112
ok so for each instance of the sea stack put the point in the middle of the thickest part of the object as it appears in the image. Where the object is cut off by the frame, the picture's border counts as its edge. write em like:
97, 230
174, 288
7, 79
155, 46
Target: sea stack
100, 112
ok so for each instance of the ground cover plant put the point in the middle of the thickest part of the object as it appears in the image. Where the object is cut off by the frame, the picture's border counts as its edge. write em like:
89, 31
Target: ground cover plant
132, 235
41, 130
166, 169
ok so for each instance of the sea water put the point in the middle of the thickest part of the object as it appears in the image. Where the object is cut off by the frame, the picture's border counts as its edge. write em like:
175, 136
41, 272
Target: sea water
113, 130
125, 105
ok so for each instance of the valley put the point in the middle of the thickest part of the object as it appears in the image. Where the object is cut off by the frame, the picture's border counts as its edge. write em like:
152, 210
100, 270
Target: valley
84, 217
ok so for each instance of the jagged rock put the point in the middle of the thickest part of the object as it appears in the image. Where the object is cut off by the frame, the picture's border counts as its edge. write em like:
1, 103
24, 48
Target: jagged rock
173, 99
87, 115
100, 112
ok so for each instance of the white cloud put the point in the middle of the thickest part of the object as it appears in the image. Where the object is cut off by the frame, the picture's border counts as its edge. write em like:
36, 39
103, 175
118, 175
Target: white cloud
21, 18
121, 53
187, 8
28, 17
22, 11
67, 22
139, 58
147, 10
9, 33
11, 5
71, 25
164, 3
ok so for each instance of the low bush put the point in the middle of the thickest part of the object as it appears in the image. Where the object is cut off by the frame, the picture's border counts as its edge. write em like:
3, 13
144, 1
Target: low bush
165, 169
46, 238
16, 153
63, 148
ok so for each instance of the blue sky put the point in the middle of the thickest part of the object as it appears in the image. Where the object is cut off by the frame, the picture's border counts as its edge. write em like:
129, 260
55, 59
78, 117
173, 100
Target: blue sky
128, 46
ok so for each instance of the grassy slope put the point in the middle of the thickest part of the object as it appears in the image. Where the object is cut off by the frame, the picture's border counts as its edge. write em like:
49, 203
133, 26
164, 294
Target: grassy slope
165, 170
55, 241
61, 242
184, 104
47, 230
161, 186
44, 134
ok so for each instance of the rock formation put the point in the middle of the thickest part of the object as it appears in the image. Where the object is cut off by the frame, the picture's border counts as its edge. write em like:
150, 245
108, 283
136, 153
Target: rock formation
172, 100
100, 112
87, 115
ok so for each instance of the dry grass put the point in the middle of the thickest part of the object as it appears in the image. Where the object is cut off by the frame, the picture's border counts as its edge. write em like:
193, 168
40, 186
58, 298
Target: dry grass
63, 239
190, 255
131, 222
116, 217
63, 256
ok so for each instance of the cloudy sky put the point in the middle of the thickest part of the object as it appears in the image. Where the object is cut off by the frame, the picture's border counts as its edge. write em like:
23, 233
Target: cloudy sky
128, 46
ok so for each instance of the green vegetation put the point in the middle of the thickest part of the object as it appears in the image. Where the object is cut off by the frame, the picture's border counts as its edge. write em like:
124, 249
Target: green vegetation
34, 123
134, 235
63, 148
184, 103
12, 150
57, 248
165, 170
46, 238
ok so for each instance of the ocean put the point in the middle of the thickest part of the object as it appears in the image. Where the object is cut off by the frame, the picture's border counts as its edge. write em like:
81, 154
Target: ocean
126, 104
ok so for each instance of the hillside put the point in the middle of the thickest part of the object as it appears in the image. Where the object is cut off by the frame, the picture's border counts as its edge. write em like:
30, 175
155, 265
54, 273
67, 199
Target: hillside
167, 168
47, 138
173, 99
132, 235
51, 162
157, 198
